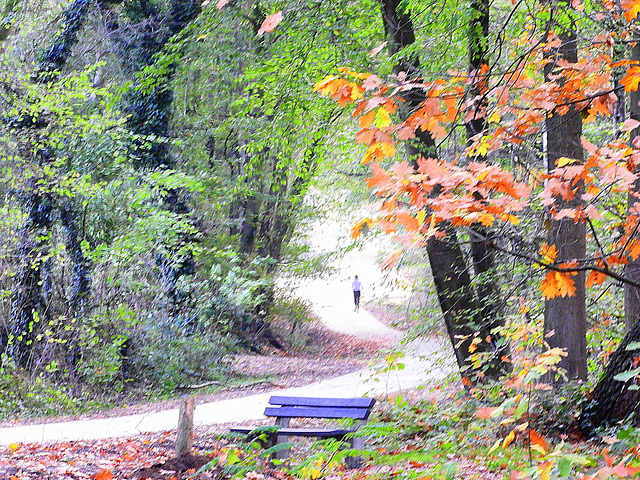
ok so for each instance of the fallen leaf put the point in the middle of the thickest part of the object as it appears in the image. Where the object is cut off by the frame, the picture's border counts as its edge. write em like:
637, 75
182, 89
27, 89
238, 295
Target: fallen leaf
104, 475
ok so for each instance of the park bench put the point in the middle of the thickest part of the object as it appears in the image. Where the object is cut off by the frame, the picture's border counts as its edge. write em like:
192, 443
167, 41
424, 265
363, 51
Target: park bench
286, 408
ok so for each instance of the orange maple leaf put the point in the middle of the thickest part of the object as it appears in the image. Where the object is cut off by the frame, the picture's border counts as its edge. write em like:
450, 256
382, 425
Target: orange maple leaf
631, 79
329, 85
361, 226
634, 249
631, 9
595, 278
408, 221
557, 284
366, 120
270, 23
549, 253
378, 151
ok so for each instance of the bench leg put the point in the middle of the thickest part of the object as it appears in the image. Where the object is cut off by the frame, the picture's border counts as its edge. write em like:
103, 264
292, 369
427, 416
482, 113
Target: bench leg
356, 443
277, 439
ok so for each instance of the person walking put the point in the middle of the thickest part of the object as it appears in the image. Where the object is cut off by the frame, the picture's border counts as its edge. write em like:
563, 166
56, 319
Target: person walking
356, 286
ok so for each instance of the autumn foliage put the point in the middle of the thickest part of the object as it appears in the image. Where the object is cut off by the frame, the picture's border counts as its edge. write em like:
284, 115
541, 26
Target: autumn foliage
474, 187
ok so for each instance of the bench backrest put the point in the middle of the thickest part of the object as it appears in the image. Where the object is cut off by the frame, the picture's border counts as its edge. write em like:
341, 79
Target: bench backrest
313, 407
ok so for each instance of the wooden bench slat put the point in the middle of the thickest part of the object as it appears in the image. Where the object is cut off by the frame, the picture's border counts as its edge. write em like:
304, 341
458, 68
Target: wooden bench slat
322, 401
317, 412
241, 429
301, 432
286, 408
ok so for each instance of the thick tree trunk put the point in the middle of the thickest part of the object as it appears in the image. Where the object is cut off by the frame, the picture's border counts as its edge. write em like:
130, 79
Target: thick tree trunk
31, 278
565, 317
461, 310
632, 269
150, 116
615, 400
28, 300
455, 295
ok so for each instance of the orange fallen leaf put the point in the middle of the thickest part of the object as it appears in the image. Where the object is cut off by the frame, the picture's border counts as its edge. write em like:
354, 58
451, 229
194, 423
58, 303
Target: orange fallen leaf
104, 475
537, 441
485, 412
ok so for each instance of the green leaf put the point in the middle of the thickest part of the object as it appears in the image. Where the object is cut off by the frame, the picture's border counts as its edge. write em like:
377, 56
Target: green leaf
232, 457
579, 459
564, 467
628, 375
633, 346
521, 408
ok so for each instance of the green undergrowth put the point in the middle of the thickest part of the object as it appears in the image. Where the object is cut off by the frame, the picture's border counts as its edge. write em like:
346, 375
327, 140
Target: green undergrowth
450, 438
32, 397
25, 396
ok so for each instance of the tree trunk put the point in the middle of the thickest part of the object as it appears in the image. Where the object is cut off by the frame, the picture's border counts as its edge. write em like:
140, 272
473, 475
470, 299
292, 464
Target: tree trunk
453, 284
28, 301
614, 400
31, 279
80, 288
455, 295
566, 316
184, 435
80, 265
150, 115
482, 256
632, 269
10, 8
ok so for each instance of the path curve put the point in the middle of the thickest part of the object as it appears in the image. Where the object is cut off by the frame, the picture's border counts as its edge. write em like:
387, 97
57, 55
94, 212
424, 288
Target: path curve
371, 381
424, 361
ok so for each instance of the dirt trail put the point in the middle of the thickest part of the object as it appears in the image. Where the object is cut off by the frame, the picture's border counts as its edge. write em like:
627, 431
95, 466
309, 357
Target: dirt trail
333, 303
375, 380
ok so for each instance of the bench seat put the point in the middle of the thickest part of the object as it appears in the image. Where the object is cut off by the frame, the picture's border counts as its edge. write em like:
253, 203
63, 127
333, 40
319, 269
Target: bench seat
301, 432
285, 408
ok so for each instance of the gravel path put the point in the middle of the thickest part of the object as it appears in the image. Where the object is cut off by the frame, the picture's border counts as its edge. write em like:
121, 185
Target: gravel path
374, 380
332, 302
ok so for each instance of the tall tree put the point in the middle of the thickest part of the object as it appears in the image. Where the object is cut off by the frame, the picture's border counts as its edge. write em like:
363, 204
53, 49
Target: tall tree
140, 34
565, 317
31, 285
463, 315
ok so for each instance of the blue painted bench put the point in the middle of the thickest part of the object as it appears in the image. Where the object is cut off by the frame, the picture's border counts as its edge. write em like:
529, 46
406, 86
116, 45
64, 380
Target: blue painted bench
286, 408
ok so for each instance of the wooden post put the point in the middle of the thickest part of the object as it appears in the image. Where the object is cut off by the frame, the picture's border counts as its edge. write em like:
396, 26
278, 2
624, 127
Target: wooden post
356, 442
184, 437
